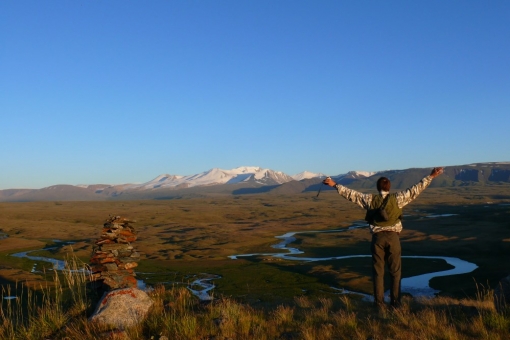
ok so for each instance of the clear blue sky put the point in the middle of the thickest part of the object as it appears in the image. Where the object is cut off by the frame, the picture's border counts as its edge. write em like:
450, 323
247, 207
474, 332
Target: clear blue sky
122, 91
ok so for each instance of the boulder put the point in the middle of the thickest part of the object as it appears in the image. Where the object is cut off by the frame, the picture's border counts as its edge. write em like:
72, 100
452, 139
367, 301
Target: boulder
502, 294
122, 308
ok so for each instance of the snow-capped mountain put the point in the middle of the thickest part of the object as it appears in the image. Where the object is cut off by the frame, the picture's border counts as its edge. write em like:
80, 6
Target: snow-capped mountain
217, 176
359, 174
251, 179
306, 175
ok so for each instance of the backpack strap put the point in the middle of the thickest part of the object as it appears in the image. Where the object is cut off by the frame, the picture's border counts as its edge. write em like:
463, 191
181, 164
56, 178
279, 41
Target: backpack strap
385, 201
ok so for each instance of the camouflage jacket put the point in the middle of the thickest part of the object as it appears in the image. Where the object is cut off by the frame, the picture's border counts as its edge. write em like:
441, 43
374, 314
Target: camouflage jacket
403, 198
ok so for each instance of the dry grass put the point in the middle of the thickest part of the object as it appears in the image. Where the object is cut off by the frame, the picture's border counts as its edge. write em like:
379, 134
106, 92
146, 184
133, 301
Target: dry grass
176, 314
272, 299
40, 313
201, 233
14, 243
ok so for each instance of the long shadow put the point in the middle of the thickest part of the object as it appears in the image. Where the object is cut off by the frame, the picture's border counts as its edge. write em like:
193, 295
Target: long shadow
246, 191
322, 187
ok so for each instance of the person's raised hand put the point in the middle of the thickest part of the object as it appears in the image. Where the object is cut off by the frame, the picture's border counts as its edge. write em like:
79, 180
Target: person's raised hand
329, 181
436, 172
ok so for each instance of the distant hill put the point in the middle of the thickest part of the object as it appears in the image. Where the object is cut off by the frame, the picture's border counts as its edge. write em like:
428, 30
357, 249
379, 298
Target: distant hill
256, 180
478, 174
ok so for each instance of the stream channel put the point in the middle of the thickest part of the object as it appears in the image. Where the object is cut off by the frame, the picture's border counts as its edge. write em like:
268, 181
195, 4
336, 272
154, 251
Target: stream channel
415, 285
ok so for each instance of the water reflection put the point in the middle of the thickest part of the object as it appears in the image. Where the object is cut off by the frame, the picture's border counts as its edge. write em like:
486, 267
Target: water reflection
203, 283
205, 287
419, 284
441, 215
57, 264
416, 285
200, 287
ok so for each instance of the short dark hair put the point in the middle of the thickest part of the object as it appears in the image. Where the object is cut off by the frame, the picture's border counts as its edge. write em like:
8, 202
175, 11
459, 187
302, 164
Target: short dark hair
383, 184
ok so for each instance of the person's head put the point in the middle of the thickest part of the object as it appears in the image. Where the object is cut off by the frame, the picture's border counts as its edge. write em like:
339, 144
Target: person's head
383, 184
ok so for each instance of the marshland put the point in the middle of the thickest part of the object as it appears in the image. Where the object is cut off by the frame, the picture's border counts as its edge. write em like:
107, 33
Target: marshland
260, 296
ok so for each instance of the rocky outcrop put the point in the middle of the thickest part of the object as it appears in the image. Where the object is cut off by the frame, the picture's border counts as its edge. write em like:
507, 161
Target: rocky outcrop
122, 308
502, 294
114, 257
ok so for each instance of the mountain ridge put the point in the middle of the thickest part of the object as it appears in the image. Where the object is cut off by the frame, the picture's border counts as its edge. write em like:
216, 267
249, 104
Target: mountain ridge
253, 180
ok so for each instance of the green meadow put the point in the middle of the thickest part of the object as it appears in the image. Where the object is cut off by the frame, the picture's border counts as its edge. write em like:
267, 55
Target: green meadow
184, 239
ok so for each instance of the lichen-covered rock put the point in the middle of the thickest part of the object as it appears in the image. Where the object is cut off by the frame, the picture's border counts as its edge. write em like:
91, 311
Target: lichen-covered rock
122, 308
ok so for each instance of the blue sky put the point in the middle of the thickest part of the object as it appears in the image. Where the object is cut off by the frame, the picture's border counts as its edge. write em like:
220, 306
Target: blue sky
122, 91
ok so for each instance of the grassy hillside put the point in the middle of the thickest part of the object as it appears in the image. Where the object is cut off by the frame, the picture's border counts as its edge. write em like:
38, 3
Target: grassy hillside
181, 239
64, 307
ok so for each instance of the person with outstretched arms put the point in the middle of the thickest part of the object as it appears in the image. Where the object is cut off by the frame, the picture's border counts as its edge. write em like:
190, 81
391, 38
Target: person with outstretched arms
384, 217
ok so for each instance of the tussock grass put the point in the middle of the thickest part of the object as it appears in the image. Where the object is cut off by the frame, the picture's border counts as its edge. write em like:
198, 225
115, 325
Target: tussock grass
266, 299
198, 235
39, 313
61, 311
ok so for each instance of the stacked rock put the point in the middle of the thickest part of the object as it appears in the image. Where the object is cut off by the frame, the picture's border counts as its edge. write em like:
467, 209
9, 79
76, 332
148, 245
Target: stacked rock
113, 257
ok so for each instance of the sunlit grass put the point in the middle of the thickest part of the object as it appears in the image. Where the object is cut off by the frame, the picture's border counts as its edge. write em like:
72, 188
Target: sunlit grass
38, 313
61, 311
255, 298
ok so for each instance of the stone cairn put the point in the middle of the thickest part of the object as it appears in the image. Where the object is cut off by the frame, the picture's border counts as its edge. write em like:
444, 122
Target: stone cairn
113, 257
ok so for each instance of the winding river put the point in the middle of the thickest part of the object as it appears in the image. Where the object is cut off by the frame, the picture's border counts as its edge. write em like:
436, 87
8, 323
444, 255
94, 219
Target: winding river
415, 285
199, 287
57, 264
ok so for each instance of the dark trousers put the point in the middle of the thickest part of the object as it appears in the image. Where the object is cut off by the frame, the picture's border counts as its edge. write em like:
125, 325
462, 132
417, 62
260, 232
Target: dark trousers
386, 249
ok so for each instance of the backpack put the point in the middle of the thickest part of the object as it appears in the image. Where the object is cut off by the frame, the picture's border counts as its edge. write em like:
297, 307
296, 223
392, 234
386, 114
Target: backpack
383, 212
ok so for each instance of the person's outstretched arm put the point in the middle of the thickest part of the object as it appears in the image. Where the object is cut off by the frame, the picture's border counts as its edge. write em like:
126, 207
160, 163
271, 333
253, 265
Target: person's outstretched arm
363, 200
407, 196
